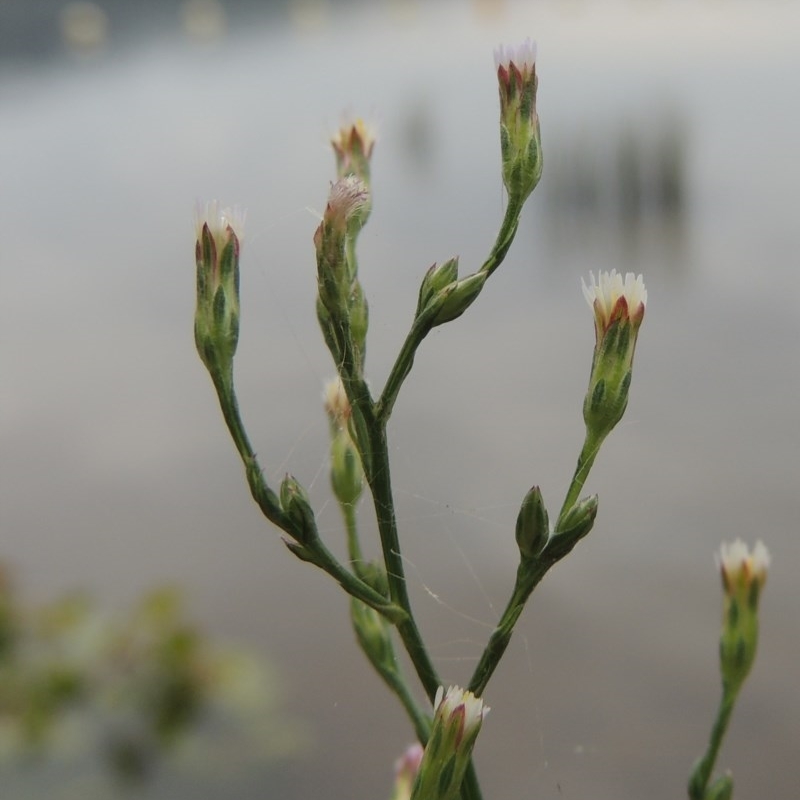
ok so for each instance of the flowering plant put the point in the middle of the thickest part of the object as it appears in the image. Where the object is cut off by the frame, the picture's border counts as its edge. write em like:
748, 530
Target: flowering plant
381, 610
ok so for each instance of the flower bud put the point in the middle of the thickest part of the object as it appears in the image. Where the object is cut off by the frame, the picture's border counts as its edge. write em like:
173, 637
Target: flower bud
373, 633
347, 475
217, 246
618, 308
457, 721
353, 144
358, 315
520, 138
743, 576
436, 279
374, 575
533, 527
572, 527
341, 306
296, 506
405, 772
721, 789
456, 298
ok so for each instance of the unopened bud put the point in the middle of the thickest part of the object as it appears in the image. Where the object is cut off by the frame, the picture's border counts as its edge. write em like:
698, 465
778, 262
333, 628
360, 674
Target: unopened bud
353, 144
373, 633
296, 506
458, 297
721, 789
405, 772
572, 527
358, 315
436, 279
533, 527
347, 475
217, 246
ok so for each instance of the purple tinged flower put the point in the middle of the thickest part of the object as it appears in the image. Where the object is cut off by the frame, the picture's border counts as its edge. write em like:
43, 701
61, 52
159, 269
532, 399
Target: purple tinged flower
457, 718
520, 138
405, 771
221, 222
460, 710
520, 60
218, 233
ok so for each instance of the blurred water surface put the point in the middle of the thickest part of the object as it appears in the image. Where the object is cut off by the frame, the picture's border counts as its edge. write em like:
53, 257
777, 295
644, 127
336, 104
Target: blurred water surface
670, 149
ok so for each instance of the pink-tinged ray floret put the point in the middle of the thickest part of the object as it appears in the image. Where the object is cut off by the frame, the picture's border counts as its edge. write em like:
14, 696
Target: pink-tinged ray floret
219, 219
521, 59
613, 298
460, 708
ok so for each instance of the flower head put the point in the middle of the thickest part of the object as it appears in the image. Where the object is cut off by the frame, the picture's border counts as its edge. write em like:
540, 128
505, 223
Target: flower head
618, 307
220, 221
461, 709
613, 298
520, 138
405, 771
741, 569
743, 576
353, 144
457, 718
519, 61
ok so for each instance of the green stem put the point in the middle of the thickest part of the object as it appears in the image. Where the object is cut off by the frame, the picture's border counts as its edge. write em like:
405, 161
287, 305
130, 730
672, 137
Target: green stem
353, 543
470, 789
589, 451
529, 574
419, 719
422, 324
268, 502
402, 366
505, 236
701, 774
380, 483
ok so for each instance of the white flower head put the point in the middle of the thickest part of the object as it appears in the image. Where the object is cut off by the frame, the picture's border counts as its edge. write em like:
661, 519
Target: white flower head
462, 707
739, 567
611, 297
219, 219
523, 57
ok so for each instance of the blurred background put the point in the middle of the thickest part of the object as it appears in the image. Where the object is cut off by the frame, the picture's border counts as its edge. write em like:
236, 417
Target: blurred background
669, 133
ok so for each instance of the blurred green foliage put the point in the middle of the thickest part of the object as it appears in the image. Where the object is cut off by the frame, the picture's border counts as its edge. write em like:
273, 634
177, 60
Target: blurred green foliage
129, 689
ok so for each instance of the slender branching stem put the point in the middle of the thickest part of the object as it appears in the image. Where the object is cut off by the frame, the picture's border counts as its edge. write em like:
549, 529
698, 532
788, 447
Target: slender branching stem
381, 487
589, 451
701, 774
